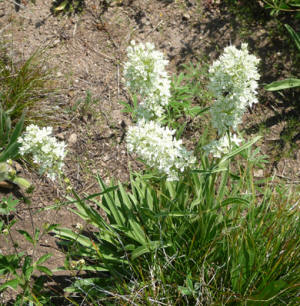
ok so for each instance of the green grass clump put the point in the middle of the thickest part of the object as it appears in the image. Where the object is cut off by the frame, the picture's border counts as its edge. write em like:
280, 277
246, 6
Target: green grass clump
211, 238
23, 85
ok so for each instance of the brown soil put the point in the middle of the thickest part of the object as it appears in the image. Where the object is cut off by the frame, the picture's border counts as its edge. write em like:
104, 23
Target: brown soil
87, 50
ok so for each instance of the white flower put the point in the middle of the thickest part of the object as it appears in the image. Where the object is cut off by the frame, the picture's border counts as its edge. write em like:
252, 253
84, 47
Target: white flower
157, 146
222, 146
45, 150
145, 75
233, 82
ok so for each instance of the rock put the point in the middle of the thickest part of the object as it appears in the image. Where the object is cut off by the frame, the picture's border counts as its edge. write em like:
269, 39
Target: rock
258, 173
60, 136
106, 158
55, 43
186, 16
72, 139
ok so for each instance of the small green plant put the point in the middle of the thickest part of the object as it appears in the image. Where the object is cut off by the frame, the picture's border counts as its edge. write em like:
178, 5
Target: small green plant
290, 82
67, 6
85, 107
8, 205
279, 6
130, 107
18, 268
188, 94
9, 136
22, 85
9, 150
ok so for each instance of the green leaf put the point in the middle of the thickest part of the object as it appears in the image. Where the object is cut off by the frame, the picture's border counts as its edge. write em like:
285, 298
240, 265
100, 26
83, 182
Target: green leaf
8, 205
93, 268
180, 130
13, 284
294, 35
197, 110
27, 268
283, 84
17, 130
173, 214
240, 149
10, 152
234, 201
216, 170
65, 233
42, 259
36, 234
185, 290
268, 292
87, 212
110, 203
140, 251
62, 6
146, 248
49, 227
26, 235
136, 228
22, 183
44, 270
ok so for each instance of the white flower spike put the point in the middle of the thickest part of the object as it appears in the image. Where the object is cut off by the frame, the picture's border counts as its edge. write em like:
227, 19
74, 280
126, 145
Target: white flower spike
233, 82
46, 151
145, 75
157, 146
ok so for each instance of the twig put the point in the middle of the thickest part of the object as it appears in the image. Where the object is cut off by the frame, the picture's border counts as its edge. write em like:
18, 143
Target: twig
288, 178
118, 79
4, 28
75, 28
152, 30
89, 187
17, 4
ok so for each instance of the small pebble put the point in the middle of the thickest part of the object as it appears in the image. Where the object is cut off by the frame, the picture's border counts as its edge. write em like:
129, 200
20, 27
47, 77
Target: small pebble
72, 139
60, 136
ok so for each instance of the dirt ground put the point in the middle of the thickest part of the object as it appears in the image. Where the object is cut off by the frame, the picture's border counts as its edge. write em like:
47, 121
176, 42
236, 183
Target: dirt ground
86, 52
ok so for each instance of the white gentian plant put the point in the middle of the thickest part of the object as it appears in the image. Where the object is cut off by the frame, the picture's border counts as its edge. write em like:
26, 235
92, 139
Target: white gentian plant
233, 82
223, 145
45, 150
157, 146
145, 76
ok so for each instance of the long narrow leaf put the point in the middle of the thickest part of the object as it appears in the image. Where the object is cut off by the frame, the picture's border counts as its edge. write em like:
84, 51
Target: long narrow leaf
43, 258
17, 130
240, 149
26, 235
137, 229
13, 284
283, 84
65, 233
10, 152
107, 199
149, 247
294, 35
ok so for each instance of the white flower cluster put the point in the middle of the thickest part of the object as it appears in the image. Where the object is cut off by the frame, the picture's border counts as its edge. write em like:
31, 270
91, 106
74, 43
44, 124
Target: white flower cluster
145, 75
46, 151
222, 146
157, 146
233, 82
